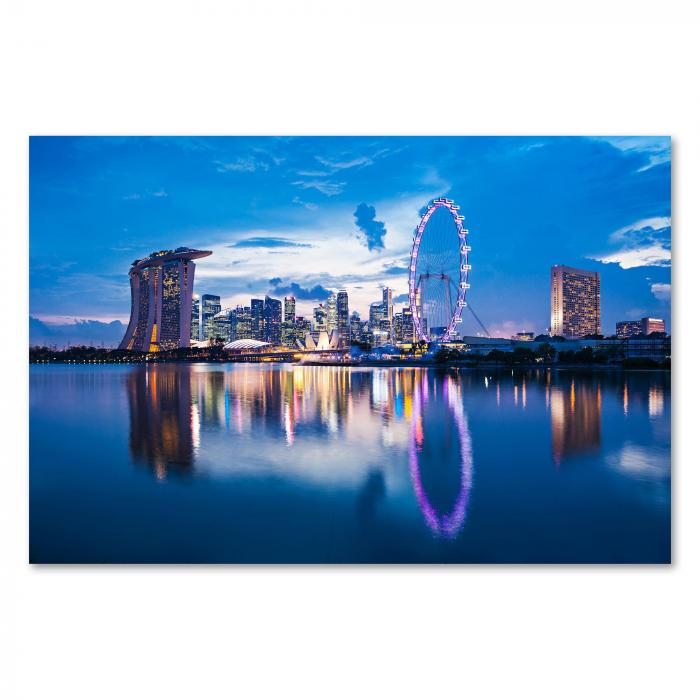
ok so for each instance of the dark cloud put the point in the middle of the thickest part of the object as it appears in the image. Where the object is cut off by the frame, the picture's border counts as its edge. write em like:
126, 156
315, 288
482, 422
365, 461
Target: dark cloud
268, 242
317, 292
400, 299
372, 230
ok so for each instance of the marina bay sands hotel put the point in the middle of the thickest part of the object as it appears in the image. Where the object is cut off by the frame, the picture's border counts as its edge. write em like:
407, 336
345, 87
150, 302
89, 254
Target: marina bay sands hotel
161, 300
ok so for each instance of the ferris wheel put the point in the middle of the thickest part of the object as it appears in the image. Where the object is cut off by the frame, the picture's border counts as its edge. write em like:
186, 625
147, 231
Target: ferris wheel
438, 271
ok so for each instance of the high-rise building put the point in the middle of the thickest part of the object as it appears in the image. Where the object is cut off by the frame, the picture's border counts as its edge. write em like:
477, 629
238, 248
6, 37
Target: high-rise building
575, 299
376, 314
320, 318
161, 300
388, 307
223, 326
332, 313
398, 327
653, 325
343, 319
645, 326
257, 320
240, 323
355, 328
272, 314
408, 331
211, 305
290, 304
194, 335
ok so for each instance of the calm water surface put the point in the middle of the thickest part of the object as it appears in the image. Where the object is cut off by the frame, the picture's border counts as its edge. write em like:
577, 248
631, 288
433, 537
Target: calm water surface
283, 463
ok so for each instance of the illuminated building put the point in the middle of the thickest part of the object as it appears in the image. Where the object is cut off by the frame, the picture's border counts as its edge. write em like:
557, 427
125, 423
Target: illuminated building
645, 326
388, 309
272, 314
653, 325
525, 336
376, 315
240, 323
222, 326
575, 301
332, 313
257, 321
194, 335
290, 304
161, 300
355, 328
211, 305
343, 319
408, 334
398, 327
320, 318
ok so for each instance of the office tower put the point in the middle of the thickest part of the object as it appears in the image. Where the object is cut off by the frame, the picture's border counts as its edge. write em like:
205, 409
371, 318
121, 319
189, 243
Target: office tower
645, 326
211, 305
398, 327
290, 309
628, 329
194, 335
388, 308
575, 299
302, 326
161, 300
653, 325
376, 314
272, 315
355, 328
240, 323
343, 319
257, 321
408, 331
320, 318
222, 326
332, 312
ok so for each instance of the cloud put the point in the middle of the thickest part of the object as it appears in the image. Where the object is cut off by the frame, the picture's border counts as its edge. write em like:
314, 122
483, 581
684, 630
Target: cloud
328, 187
656, 149
317, 292
80, 332
373, 230
645, 243
308, 205
145, 195
247, 164
661, 291
268, 242
401, 299
336, 165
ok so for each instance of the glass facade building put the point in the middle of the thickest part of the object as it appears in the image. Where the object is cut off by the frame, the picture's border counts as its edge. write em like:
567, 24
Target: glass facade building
272, 315
211, 305
161, 300
343, 319
257, 321
194, 335
575, 301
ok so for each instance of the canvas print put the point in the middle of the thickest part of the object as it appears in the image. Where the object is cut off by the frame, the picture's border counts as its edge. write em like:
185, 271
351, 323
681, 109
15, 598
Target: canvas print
350, 350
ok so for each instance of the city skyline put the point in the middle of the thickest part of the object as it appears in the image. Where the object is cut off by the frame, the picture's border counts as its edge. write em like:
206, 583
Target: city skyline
272, 210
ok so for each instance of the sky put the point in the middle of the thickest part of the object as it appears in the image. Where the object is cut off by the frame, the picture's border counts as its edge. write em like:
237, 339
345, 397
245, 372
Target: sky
306, 215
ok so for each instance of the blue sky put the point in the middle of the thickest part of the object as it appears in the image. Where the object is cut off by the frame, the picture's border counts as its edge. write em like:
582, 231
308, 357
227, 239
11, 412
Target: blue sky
310, 214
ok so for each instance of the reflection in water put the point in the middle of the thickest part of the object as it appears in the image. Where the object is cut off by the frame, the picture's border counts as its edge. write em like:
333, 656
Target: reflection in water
575, 418
439, 444
162, 421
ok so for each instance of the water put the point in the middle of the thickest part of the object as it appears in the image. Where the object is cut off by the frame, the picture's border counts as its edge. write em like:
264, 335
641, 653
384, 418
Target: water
283, 463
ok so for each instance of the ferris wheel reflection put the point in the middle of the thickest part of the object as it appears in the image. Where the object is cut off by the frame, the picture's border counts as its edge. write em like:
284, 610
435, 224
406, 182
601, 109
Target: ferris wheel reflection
439, 428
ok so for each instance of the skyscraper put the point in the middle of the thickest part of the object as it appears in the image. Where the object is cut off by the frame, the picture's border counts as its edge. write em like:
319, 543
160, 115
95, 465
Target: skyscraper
211, 305
161, 300
290, 309
575, 299
240, 323
408, 331
343, 319
272, 314
355, 327
320, 318
388, 304
194, 335
332, 312
257, 322
376, 315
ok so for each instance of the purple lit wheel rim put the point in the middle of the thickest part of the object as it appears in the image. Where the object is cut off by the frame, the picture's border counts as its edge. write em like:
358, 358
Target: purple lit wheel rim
463, 268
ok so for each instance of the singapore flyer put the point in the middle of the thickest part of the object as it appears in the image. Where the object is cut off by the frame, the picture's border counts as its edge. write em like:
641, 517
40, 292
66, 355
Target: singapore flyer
438, 270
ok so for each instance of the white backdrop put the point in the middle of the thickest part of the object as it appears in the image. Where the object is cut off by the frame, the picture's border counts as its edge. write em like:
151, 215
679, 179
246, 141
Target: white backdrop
357, 67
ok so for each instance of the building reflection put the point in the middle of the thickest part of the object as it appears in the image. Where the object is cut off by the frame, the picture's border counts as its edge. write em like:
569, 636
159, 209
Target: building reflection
161, 419
440, 454
575, 415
